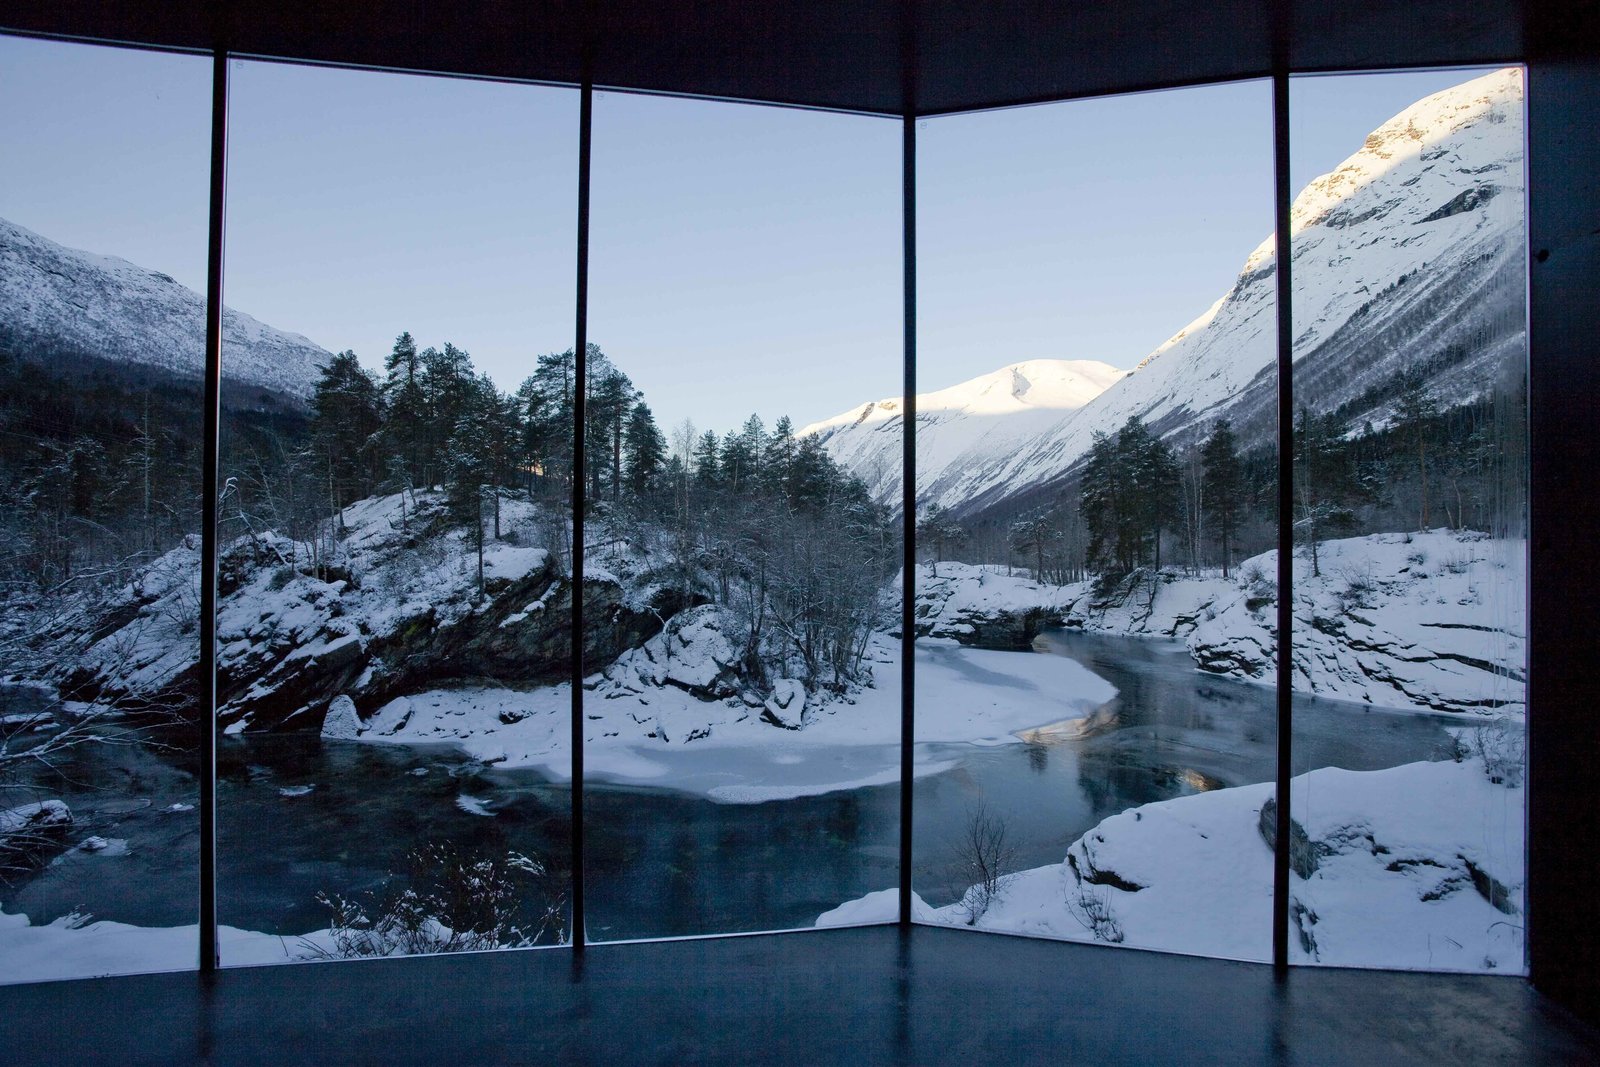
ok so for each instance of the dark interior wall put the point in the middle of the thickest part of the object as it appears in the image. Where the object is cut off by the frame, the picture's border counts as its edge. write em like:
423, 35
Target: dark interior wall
1564, 390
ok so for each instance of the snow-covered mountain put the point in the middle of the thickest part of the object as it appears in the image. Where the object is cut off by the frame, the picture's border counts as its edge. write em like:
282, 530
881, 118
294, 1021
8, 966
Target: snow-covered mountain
965, 425
103, 306
1410, 253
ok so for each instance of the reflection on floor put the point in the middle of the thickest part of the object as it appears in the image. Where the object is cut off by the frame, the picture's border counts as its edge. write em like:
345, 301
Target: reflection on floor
862, 995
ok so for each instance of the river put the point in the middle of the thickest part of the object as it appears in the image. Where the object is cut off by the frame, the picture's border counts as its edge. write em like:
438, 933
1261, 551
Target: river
666, 862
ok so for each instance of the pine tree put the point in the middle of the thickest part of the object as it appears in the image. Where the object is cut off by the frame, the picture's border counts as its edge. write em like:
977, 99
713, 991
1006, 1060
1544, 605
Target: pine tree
468, 466
1414, 409
447, 384
1223, 485
1099, 501
405, 427
611, 396
644, 450
347, 415
777, 458
707, 460
546, 400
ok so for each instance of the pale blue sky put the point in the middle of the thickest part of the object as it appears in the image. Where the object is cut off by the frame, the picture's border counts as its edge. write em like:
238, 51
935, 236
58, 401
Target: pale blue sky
743, 258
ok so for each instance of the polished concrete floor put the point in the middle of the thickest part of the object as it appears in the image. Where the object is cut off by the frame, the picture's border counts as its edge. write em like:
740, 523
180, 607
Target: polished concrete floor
869, 995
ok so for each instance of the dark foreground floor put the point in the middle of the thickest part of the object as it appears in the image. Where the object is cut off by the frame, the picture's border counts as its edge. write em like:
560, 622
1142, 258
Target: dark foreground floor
842, 996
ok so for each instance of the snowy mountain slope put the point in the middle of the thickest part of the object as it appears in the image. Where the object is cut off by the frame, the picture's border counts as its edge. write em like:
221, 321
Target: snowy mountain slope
964, 425
1410, 253
108, 307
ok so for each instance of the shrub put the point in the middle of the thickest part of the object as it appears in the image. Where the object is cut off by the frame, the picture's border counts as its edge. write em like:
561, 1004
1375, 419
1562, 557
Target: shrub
984, 857
449, 902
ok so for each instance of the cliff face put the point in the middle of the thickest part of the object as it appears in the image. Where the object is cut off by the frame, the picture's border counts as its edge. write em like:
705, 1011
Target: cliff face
397, 610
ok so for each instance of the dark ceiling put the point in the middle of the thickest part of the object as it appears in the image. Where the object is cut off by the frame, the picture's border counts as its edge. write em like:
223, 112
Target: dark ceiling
844, 54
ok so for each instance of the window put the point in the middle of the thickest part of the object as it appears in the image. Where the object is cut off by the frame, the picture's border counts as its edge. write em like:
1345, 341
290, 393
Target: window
102, 319
407, 426
1090, 498
743, 714
393, 624
1410, 473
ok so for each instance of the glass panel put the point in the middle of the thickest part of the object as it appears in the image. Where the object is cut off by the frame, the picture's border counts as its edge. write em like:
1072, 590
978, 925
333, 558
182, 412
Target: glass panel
1095, 712
743, 714
102, 320
394, 615
1410, 503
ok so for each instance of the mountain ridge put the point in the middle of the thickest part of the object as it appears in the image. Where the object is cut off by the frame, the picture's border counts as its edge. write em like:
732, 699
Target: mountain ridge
1435, 192
53, 295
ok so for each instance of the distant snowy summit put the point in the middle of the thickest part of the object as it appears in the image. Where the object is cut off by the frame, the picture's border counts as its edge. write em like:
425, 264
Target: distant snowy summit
1409, 254
964, 424
65, 301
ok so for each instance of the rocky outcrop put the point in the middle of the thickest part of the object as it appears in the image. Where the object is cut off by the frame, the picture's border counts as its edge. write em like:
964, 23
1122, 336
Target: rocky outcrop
983, 608
398, 611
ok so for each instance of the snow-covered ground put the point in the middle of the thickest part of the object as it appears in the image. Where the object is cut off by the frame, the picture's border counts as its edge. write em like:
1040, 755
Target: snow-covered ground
1417, 866
642, 725
71, 948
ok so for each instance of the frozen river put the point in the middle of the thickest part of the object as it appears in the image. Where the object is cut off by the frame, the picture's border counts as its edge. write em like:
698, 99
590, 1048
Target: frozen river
667, 859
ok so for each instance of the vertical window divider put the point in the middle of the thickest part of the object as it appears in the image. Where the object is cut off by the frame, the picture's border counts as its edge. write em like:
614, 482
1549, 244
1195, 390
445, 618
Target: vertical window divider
908, 507
579, 464
1283, 254
210, 461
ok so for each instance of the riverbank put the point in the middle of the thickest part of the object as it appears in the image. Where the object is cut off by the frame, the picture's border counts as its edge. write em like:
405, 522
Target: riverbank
1417, 866
633, 731
1431, 621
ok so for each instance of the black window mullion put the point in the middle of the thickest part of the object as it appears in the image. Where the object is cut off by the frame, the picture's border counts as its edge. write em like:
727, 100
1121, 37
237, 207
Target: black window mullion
579, 464
908, 508
1283, 255
209, 481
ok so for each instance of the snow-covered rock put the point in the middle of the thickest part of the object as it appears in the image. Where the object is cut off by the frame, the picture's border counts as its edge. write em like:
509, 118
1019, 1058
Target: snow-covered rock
786, 707
111, 309
397, 605
1431, 621
342, 722
27, 826
984, 608
693, 652
1419, 866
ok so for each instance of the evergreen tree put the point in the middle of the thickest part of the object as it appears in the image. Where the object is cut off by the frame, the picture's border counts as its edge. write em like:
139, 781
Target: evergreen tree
644, 450
1323, 484
546, 402
1034, 537
1223, 486
1099, 501
1414, 410
347, 414
611, 396
777, 457
707, 460
447, 386
741, 455
405, 427
468, 466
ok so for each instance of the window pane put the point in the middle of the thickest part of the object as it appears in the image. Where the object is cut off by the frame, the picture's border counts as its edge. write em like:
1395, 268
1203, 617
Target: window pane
743, 712
1409, 513
102, 320
1094, 701
395, 604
